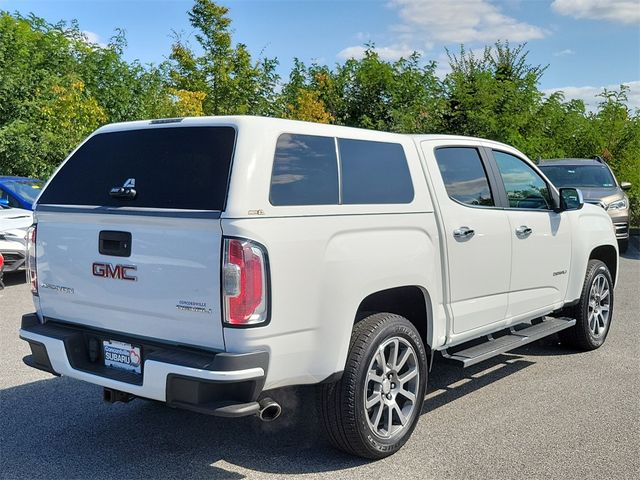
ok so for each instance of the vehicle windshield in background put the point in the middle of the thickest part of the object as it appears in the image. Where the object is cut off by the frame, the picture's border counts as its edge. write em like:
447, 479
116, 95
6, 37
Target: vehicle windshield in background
170, 168
592, 176
28, 189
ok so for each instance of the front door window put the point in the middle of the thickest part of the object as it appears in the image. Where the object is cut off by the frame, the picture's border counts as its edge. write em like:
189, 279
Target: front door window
525, 188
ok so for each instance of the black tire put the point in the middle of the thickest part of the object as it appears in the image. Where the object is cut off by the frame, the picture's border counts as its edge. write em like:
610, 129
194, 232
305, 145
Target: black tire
623, 245
582, 336
346, 419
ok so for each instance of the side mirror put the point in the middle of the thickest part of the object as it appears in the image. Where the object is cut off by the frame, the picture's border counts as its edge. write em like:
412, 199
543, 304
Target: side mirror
4, 202
625, 185
571, 199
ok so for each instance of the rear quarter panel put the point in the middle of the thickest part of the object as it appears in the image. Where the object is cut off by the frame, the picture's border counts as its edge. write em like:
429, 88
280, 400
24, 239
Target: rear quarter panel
321, 269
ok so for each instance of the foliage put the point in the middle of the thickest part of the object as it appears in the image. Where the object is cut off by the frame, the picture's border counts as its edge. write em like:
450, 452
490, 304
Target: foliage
187, 103
399, 96
45, 107
617, 133
231, 82
494, 96
308, 107
56, 87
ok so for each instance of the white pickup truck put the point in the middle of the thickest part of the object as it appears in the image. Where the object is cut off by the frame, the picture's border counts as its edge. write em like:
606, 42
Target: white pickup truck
204, 262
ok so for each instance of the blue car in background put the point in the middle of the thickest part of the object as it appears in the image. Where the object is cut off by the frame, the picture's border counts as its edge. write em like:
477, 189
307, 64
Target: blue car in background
19, 192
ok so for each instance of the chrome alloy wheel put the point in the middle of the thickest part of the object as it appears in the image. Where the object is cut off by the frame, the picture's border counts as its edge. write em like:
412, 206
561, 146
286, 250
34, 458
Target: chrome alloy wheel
599, 305
391, 386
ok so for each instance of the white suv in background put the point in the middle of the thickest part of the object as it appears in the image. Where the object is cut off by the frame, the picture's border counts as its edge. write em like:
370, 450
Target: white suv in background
14, 223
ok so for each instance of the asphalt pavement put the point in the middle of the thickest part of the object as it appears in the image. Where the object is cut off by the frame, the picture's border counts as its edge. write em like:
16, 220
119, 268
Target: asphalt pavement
542, 411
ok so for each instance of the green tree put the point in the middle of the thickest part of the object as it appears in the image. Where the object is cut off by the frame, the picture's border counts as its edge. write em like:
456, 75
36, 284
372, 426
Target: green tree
494, 95
225, 73
308, 107
617, 131
400, 96
56, 88
45, 107
302, 97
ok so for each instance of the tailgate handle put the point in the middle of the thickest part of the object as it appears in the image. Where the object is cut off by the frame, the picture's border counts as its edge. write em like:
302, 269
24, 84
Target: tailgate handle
116, 244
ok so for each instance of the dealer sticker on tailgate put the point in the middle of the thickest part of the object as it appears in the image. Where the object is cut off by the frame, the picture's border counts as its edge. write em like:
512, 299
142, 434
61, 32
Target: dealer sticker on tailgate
122, 355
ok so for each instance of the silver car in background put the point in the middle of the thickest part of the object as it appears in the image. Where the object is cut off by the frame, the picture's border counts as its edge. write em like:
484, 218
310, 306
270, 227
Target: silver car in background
598, 185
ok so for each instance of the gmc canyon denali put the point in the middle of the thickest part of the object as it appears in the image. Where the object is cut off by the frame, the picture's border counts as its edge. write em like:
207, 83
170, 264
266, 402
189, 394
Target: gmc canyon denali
203, 262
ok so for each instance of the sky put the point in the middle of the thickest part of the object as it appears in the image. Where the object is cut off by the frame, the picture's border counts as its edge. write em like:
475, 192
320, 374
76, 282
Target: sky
587, 44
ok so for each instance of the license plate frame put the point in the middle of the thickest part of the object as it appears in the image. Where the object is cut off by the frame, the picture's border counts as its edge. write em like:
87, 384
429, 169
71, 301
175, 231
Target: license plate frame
122, 356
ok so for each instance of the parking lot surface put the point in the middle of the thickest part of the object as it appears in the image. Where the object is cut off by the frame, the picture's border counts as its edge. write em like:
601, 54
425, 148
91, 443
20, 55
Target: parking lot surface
539, 412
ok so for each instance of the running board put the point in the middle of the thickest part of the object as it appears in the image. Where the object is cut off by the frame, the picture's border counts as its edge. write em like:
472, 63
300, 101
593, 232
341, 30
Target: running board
515, 337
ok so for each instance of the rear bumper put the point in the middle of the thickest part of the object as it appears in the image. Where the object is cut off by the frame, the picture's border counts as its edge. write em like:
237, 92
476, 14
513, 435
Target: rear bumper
221, 384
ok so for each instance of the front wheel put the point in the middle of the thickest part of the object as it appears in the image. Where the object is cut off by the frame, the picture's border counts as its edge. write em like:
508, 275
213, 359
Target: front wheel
594, 310
373, 409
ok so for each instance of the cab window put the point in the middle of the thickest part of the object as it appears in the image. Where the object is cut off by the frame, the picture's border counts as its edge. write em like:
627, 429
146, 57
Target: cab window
305, 171
464, 175
525, 188
374, 172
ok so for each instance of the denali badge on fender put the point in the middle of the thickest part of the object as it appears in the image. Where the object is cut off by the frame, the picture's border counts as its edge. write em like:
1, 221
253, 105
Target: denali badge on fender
119, 272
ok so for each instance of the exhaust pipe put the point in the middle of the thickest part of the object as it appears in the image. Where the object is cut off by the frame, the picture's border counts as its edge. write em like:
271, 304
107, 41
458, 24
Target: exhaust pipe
269, 410
110, 395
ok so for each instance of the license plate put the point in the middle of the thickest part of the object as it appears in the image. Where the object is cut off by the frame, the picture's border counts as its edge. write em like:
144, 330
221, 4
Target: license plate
122, 355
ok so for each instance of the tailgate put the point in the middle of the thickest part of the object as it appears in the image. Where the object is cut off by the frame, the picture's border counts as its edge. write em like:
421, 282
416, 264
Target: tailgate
168, 288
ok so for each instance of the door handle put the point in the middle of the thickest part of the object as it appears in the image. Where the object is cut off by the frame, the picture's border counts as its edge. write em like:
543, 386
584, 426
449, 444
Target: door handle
463, 232
523, 231
116, 244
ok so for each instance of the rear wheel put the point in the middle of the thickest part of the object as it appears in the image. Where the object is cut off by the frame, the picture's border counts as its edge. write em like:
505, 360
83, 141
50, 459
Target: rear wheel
594, 311
372, 411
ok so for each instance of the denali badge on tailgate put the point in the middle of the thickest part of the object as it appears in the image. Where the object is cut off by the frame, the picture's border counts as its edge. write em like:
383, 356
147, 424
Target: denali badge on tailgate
119, 272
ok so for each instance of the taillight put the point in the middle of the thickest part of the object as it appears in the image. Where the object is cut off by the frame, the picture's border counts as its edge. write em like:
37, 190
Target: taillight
244, 282
32, 274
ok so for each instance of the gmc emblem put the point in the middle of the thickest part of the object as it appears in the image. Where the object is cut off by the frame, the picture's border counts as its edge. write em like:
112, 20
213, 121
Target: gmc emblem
119, 272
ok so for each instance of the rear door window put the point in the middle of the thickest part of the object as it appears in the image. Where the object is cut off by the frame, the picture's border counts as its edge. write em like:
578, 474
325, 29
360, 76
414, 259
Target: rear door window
305, 171
374, 172
171, 168
464, 175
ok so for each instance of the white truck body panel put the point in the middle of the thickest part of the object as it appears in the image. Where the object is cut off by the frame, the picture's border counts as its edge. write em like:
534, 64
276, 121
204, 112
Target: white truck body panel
538, 280
336, 258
